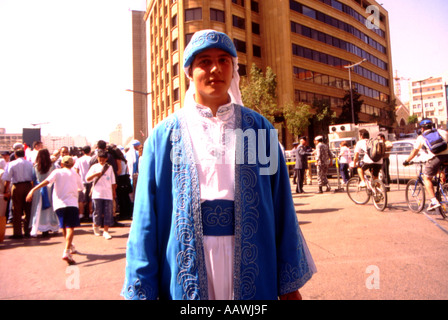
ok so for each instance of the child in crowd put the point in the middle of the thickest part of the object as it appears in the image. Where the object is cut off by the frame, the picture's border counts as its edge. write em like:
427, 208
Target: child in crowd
103, 194
67, 184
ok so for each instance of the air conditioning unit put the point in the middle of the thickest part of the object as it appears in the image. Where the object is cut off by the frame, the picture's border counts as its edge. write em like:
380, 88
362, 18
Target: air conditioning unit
341, 128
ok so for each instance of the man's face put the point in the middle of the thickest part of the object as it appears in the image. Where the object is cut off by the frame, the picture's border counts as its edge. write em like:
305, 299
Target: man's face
303, 142
102, 160
212, 72
65, 152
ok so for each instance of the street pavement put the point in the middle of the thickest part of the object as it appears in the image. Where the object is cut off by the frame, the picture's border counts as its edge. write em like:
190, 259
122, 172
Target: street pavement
360, 254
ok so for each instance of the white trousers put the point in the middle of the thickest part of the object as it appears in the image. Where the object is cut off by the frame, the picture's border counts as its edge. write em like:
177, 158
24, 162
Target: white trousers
219, 257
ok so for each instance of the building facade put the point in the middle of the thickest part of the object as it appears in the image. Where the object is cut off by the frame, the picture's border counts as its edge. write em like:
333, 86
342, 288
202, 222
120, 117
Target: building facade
428, 99
307, 43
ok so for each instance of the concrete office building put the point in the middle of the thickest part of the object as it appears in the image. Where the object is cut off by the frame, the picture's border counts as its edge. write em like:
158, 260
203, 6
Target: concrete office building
307, 43
428, 99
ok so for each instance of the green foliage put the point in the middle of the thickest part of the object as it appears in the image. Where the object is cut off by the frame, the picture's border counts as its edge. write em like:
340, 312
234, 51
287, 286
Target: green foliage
297, 117
323, 117
259, 92
412, 119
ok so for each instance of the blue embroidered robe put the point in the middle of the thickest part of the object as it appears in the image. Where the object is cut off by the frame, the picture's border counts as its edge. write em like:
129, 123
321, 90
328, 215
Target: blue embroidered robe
165, 258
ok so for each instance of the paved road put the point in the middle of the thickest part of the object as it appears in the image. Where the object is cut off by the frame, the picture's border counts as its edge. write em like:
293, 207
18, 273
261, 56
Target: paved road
360, 254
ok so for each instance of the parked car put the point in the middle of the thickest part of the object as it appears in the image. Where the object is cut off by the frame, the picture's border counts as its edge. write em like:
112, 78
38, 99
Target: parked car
399, 153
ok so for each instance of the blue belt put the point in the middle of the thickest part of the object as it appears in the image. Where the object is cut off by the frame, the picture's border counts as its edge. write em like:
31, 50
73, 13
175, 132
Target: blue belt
218, 218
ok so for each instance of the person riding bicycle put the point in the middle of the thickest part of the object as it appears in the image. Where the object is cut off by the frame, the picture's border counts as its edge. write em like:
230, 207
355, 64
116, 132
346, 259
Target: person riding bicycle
368, 163
435, 160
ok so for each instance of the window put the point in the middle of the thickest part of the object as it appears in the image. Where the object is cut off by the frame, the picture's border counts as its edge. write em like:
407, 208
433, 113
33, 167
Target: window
257, 51
309, 12
174, 21
242, 70
176, 96
217, 15
193, 14
240, 45
175, 70
254, 6
175, 45
239, 22
255, 28
240, 2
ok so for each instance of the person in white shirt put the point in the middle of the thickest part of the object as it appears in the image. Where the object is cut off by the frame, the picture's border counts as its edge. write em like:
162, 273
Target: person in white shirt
67, 183
361, 148
434, 161
344, 161
82, 166
103, 193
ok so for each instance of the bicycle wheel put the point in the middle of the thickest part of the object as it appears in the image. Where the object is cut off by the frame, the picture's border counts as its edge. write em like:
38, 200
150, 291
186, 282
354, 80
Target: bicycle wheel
443, 199
379, 195
355, 193
415, 195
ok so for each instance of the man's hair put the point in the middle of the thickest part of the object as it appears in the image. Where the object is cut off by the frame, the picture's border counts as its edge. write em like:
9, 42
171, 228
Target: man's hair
20, 153
35, 143
86, 149
364, 134
101, 144
102, 153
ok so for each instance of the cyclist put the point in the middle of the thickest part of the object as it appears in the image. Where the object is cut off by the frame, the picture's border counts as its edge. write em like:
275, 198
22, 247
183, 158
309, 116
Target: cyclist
361, 147
434, 161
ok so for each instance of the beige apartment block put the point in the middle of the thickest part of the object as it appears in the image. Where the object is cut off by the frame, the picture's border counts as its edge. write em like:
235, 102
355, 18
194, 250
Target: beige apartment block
307, 43
428, 99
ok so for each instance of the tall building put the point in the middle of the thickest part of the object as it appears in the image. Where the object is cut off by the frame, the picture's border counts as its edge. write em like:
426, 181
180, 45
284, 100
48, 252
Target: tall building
140, 78
7, 140
428, 99
116, 136
307, 43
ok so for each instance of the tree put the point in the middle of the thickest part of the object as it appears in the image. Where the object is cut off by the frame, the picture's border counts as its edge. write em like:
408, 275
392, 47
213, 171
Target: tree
323, 117
346, 114
297, 117
412, 119
258, 92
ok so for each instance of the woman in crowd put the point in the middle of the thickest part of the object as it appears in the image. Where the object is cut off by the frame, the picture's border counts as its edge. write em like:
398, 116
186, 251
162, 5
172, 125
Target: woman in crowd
43, 217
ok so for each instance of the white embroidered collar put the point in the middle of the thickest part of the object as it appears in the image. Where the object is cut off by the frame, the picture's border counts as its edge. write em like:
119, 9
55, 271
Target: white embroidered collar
224, 113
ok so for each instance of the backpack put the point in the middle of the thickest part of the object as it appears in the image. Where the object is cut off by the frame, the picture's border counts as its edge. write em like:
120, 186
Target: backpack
434, 141
376, 149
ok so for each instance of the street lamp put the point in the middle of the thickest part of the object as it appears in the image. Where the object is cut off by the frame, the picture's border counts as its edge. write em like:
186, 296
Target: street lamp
349, 67
421, 95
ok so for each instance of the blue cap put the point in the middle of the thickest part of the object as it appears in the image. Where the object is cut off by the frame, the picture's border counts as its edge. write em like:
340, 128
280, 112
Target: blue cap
425, 123
207, 39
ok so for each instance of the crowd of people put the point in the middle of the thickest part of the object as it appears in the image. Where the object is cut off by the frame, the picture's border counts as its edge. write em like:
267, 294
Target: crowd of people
42, 193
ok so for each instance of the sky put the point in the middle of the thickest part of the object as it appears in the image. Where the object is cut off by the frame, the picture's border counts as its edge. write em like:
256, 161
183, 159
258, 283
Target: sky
67, 64
419, 32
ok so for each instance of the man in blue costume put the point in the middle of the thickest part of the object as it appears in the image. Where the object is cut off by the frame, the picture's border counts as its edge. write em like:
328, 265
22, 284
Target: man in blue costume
214, 216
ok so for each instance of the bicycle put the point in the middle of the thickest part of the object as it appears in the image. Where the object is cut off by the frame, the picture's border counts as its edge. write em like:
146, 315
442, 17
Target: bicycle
375, 188
415, 192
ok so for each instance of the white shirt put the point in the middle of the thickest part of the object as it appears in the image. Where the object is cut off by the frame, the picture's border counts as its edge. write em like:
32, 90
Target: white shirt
213, 141
67, 183
420, 142
103, 188
361, 148
344, 154
83, 166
